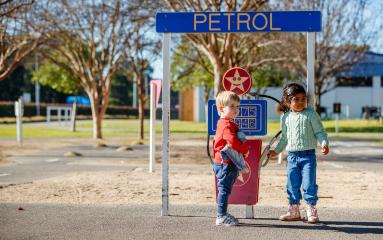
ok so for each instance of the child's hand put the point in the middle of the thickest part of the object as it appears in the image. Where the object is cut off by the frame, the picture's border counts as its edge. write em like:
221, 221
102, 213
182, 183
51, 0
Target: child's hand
325, 150
245, 169
272, 154
246, 154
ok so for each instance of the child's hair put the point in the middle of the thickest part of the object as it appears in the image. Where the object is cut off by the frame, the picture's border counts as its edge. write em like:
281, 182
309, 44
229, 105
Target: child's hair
224, 98
289, 91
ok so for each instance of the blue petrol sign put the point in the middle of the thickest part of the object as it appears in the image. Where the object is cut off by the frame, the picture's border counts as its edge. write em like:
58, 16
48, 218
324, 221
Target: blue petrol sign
274, 21
251, 118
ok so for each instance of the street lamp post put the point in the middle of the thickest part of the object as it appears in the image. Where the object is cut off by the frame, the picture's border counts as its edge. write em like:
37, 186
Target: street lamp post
37, 89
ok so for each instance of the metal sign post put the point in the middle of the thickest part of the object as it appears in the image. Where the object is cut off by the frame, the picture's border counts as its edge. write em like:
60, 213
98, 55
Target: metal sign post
199, 22
310, 82
165, 124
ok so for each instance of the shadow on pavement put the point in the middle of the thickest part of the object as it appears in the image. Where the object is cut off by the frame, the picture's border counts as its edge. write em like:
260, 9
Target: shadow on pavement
190, 216
352, 228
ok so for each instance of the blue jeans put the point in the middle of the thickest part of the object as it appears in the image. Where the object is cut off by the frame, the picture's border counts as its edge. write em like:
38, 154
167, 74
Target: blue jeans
301, 172
226, 175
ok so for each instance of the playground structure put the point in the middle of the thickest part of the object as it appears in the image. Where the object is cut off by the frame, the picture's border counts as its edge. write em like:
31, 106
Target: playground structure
224, 22
63, 114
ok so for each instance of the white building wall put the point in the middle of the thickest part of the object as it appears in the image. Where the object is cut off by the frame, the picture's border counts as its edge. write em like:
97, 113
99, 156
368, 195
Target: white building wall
199, 105
353, 98
377, 98
277, 93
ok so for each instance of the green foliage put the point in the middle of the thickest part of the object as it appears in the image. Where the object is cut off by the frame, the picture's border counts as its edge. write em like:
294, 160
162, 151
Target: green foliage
196, 77
57, 78
17, 83
269, 76
121, 93
189, 68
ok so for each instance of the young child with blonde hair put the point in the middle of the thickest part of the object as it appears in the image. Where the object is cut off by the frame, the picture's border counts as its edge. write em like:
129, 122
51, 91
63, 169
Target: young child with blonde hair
229, 153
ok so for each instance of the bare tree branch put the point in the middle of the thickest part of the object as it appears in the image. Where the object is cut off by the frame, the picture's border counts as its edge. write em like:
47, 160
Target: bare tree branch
89, 39
341, 44
219, 48
10, 7
17, 39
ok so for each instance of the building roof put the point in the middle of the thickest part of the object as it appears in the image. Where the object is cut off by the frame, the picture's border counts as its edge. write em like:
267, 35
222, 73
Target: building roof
371, 64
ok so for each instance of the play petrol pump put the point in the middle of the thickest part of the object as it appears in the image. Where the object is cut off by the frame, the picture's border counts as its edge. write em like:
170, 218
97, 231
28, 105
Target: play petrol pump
252, 118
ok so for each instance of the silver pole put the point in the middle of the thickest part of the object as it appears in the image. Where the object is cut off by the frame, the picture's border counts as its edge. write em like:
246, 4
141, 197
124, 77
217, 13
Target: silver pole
152, 148
134, 105
310, 82
19, 120
37, 89
165, 124
336, 123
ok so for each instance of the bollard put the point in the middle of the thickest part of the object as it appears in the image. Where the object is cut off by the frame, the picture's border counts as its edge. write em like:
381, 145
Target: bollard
152, 148
19, 111
336, 123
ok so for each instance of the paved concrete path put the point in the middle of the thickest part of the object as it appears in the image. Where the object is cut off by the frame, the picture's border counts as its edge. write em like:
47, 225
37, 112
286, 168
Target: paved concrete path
49, 221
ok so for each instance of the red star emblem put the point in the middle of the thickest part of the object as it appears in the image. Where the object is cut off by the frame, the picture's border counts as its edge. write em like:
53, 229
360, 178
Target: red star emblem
243, 178
238, 80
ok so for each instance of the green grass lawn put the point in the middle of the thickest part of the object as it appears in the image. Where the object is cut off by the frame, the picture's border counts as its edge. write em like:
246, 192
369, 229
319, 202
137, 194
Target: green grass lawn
347, 128
351, 126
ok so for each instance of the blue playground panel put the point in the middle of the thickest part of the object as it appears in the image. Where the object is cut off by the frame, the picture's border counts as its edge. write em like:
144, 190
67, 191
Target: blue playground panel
251, 120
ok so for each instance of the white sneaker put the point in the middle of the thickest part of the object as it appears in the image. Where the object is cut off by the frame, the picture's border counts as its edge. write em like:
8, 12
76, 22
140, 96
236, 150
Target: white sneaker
292, 214
312, 214
226, 220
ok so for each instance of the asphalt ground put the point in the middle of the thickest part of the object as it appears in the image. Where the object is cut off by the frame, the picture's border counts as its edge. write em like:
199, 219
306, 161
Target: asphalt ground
48, 221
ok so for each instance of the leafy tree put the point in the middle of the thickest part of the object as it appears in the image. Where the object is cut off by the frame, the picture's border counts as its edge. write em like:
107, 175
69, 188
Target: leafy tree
228, 50
90, 39
142, 49
17, 82
269, 76
57, 78
17, 37
121, 93
190, 68
342, 42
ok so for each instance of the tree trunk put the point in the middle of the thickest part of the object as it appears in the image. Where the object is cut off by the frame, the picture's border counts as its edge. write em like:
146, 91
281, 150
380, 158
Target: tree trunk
97, 117
219, 71
141, 103
317, 99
